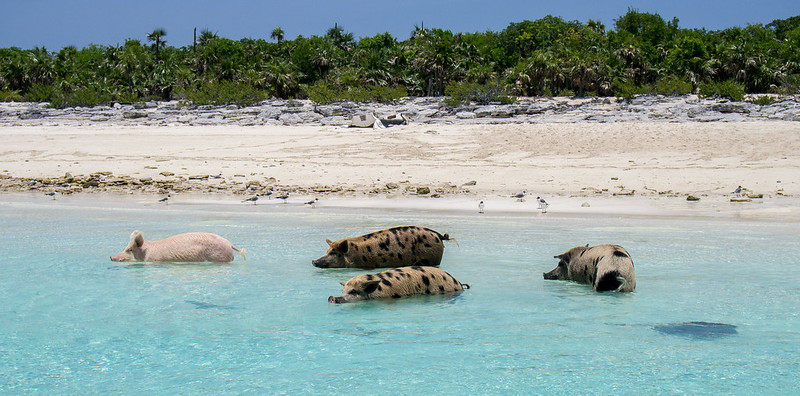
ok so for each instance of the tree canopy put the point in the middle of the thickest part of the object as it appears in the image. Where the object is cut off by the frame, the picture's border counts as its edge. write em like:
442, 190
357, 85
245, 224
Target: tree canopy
643, 53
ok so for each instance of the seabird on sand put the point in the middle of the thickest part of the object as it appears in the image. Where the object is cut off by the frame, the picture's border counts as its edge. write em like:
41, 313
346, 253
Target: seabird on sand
542, 204
252, 199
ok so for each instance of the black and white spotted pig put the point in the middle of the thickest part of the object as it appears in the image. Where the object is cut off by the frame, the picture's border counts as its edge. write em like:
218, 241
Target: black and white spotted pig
393, 247
399, 282
605, 267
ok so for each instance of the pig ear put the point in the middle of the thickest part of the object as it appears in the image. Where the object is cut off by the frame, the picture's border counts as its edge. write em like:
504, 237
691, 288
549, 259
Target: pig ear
587, 245
370, 287
329, 241
342, 283
137, 238
342, 247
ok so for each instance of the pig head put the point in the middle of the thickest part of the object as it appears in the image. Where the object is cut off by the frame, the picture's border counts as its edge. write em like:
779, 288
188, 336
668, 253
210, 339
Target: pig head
605, 267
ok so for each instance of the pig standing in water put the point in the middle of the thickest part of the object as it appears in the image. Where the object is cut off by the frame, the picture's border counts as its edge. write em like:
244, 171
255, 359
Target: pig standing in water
393, 247
398, 282
605, 267
188, 247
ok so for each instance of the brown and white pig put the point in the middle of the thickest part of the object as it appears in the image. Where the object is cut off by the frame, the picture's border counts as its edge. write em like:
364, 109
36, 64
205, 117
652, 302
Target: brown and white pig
393, 247
188, 247
399, 282
605, 267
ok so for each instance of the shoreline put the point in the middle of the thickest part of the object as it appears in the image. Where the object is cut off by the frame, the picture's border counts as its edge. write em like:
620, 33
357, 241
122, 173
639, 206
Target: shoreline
768, 210
649, 164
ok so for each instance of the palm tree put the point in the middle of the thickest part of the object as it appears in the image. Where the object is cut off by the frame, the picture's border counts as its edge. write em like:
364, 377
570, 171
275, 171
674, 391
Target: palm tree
155, 36
277, 34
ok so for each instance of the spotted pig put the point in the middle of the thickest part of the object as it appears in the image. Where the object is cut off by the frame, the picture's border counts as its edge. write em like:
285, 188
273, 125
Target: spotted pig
605, 267
394, 247
399, 282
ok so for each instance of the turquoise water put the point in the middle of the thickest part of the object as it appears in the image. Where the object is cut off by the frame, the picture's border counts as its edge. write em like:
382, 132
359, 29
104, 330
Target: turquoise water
71, 321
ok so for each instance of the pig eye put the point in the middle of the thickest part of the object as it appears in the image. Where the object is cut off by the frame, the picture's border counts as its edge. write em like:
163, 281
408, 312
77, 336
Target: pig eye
353, 292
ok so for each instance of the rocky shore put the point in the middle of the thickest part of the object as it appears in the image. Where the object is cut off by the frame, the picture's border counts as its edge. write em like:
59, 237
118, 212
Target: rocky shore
688, 108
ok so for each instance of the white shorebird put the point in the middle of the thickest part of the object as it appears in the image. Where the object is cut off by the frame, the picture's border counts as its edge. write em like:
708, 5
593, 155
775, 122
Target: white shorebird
284, 197
480, 207
165, 200
52, 194
542, 204
520, 195
313, 202
737, 191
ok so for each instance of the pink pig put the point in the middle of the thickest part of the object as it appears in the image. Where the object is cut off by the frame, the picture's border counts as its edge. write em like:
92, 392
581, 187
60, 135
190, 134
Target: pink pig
188, 247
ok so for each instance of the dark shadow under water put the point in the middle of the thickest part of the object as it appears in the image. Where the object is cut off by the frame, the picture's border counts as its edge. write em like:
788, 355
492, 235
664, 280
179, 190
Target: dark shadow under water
697, 330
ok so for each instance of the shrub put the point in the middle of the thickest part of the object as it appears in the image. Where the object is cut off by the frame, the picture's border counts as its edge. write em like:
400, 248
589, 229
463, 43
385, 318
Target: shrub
764, 100
224, 92
671, 86
8, 96
325, 92
80, 97
727, 89
41, 93
467, 92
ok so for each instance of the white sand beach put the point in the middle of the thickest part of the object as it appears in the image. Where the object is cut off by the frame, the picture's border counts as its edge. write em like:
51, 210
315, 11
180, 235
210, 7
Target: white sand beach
631, 167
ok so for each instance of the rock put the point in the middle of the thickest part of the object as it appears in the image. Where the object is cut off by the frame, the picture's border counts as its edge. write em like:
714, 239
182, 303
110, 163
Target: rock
731, 108
134, 114
692, 198
423, 190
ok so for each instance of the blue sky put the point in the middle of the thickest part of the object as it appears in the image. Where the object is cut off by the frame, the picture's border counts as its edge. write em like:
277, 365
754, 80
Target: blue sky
55, 24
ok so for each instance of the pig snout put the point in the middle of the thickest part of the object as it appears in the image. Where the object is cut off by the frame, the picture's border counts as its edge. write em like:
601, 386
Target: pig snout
335, 300
321, 263
552, 275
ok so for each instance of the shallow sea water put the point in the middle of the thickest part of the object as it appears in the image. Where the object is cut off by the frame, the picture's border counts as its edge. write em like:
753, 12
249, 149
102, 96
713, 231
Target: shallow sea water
71, 321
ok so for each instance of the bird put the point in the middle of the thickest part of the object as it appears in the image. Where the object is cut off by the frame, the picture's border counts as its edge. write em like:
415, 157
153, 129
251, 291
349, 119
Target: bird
542, 204
267, 194
737, 191
520, 195
219, 176
284, 197
52, 194
252, 199
313, 202
480, 207
165, 199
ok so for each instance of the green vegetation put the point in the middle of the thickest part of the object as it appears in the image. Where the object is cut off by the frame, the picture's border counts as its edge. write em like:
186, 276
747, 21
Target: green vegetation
642, 54
726, 89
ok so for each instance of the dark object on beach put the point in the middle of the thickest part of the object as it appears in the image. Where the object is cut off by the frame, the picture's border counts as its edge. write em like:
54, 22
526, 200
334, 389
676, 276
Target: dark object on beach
697, 330
368, 120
